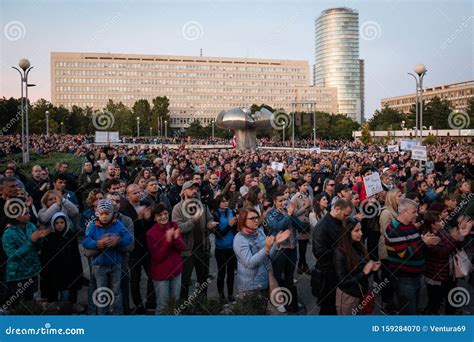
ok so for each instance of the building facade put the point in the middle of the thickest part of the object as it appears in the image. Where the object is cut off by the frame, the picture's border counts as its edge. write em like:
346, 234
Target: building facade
198, 87
458, 94
337, 61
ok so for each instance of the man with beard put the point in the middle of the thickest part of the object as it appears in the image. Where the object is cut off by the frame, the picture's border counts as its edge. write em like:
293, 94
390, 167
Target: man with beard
326, 236
194, 220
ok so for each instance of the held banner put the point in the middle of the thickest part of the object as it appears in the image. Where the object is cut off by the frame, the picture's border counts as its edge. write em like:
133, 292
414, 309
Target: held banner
106, 137
392, 148
408, 144
373, 185
277, 166
419, 153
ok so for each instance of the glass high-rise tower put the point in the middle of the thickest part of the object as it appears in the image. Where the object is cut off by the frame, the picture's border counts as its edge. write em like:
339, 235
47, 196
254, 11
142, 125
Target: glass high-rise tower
337, 61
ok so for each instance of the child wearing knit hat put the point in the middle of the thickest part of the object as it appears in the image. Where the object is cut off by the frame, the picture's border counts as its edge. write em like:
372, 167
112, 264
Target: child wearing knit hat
108, 236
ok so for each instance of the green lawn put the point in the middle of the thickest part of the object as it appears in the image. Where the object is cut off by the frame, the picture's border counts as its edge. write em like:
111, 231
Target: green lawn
75, 163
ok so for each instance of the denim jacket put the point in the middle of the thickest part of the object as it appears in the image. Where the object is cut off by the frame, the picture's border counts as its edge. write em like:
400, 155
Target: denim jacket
253, 264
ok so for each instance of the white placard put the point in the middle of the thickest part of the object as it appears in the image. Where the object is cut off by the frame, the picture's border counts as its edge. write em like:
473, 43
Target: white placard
277, 166
392, 148
408, 144
106, 137
373, 185
419, 153
315, 149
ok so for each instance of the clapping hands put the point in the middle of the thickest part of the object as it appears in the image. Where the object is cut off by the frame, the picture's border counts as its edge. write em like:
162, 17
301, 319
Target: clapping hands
430, 239
171, 234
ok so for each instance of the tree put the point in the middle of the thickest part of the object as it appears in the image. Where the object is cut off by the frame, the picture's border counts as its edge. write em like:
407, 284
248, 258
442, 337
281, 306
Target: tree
123, 116
10, 119
430, 140
142, 109
195, 130
436, 113
37, 117
160, 112
385, 118
366, 137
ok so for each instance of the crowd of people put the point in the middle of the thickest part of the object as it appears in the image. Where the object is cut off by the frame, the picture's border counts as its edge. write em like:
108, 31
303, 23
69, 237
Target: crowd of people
149, 217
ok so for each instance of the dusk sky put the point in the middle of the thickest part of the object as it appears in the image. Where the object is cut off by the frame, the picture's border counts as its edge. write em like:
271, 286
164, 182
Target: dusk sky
394, 36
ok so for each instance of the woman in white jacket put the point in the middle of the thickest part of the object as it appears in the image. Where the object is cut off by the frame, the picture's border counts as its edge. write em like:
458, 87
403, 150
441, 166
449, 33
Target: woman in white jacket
53, 202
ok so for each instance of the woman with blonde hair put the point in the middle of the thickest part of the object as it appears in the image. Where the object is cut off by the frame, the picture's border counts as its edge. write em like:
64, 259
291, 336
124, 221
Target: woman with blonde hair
388, 213
53, 202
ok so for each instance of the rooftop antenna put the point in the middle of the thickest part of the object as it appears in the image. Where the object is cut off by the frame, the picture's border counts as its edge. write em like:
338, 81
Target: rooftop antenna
201, 52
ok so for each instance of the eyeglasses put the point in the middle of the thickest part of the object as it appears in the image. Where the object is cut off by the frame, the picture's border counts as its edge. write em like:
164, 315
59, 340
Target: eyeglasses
254, 218
332, 184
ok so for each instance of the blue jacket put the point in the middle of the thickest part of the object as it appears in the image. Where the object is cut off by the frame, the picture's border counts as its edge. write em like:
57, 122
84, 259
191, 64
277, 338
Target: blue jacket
224, 233
112, 255
253, 264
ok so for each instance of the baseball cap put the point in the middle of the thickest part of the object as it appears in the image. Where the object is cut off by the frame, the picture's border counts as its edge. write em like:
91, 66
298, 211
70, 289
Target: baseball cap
189, 184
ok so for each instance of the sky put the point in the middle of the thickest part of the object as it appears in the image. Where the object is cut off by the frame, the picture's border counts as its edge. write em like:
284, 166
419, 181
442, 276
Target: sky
395, 35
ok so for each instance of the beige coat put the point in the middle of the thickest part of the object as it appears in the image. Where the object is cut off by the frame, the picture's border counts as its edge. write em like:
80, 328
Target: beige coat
386, 216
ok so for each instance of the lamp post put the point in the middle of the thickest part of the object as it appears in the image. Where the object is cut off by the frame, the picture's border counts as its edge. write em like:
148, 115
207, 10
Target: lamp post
166, 129
293, 132
314, 126
212, 122
151, 131
24, 65
420, 70
47, 122
138, 126
62, 127
311, 106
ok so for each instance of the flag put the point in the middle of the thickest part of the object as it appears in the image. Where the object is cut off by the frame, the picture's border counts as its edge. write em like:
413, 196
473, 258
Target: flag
234, 142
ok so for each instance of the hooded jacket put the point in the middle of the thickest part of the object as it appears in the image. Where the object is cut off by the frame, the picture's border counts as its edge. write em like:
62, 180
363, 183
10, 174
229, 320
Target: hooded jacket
60, 257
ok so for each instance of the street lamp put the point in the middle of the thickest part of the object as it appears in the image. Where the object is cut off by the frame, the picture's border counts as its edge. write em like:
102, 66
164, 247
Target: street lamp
138, 126
24, 65
166, 129
420, 70
62, 127
212, 122
47, 122
151, 131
